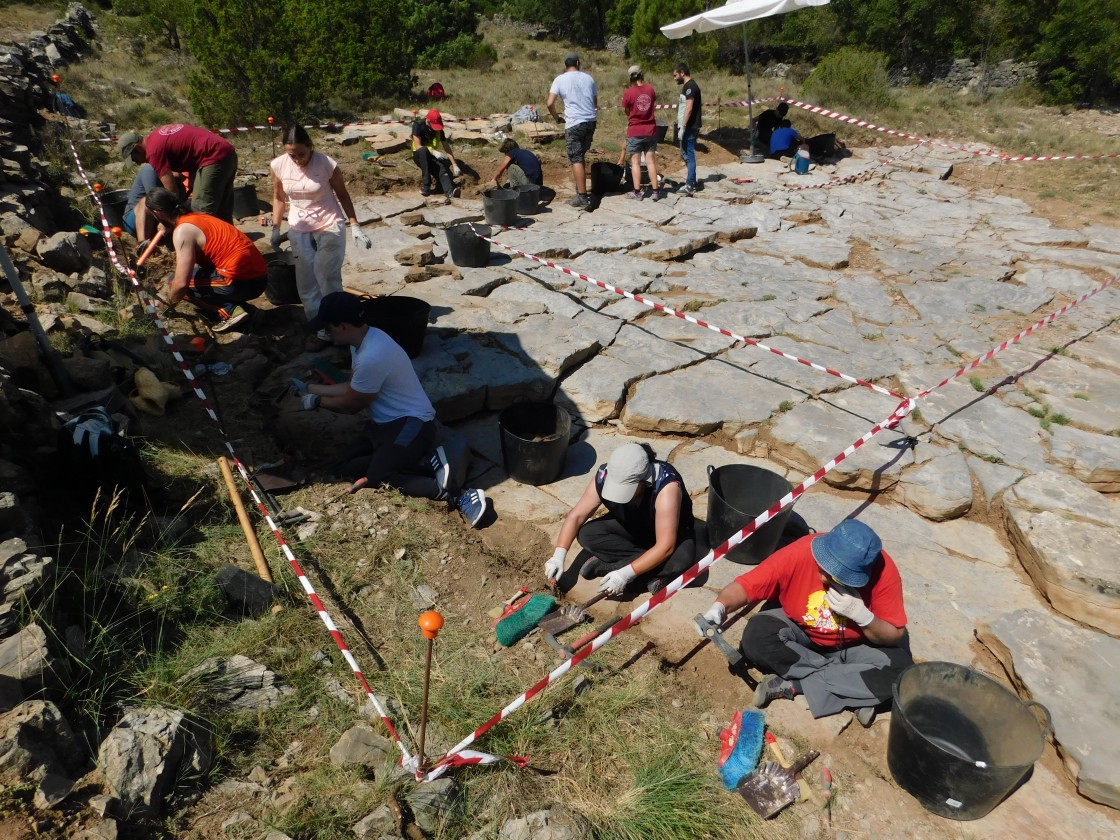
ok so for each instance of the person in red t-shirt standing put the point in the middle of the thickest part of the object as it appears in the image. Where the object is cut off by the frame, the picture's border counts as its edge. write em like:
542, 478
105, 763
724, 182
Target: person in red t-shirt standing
641, 132
210, 159
838, 631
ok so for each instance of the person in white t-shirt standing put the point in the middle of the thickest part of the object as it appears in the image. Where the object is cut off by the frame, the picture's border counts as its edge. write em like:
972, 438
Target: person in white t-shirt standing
581, 111
396, 447
308, 184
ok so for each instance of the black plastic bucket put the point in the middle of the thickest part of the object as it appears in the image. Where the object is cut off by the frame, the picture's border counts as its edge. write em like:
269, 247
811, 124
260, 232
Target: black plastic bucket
245, 202
114, 203
528, 199
736, 495
499, 207
534, 441
960, 742
662, 130
405, 319
606, 178
467, 249
280, 289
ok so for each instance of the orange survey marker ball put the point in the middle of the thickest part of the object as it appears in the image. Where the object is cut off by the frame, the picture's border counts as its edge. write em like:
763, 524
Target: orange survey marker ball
430, 624
97, 186
116, 231
271, 120
56, 78
198, 344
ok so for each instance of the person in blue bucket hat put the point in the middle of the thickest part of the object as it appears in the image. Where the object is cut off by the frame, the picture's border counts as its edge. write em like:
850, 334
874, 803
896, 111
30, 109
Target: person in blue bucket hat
834, 625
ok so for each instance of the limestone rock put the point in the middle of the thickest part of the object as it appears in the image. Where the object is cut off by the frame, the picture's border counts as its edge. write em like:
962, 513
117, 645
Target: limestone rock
27, 666
237, 683
1093, 458
146, 752
66, 251
1067, 539
415, 255
36, 740
1072, 672
361, 745
939, 489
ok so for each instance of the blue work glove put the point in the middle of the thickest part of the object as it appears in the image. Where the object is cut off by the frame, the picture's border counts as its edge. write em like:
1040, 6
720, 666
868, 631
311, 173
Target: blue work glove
275, 238
298, 385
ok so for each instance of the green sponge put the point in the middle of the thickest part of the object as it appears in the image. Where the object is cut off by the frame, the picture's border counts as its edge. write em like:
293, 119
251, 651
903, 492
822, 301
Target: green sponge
517, 625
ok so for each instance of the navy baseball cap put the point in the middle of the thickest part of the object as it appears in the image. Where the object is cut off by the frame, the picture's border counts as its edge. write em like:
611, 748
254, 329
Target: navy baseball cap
338, 308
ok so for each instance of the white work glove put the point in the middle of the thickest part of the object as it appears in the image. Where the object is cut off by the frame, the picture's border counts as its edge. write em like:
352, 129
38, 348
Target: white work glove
616, 581
310, 402
298, 385
455, 170
359, 236
716, 615
555, 565
275, 238
849, 606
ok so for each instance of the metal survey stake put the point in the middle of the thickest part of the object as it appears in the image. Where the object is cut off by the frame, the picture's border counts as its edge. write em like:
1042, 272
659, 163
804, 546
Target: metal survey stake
271, 135
430, 623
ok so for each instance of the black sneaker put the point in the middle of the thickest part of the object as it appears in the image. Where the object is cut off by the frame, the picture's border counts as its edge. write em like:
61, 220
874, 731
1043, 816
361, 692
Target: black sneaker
687, 189
439, 465
655, 586
425, 191
593, 568
773, 688
472, 504
581, 200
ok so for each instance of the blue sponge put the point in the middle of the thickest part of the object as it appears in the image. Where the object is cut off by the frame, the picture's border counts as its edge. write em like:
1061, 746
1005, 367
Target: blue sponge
742, 746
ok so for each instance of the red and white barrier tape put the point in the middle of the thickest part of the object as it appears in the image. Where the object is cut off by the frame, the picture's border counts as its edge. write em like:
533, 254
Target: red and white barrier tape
661, 307
406, 758
844, 118
643, 609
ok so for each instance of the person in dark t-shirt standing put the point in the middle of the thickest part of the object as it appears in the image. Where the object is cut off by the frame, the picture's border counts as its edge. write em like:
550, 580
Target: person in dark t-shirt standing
688, 123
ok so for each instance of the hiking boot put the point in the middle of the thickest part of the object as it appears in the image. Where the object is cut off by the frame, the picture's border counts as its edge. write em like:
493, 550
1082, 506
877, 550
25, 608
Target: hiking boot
439, 465
593, 568
581, 200
658, 195
636, 195
655, 586
866, 716
425, 191
230, 318
687, 189
472, 504
773, 688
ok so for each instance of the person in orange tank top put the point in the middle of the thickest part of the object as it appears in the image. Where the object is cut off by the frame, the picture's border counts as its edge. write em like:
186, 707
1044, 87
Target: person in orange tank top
217, 267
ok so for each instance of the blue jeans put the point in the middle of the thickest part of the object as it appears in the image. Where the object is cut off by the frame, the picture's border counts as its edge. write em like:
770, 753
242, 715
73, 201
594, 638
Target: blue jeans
688, 153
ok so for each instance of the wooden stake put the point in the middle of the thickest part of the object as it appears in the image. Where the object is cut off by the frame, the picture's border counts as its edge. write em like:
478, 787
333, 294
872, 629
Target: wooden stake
246, 525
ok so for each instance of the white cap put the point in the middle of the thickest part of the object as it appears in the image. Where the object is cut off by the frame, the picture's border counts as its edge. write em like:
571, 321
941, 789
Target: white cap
627, 467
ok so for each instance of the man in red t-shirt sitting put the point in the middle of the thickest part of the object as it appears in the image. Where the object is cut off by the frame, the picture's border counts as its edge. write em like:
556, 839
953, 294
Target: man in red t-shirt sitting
837, 632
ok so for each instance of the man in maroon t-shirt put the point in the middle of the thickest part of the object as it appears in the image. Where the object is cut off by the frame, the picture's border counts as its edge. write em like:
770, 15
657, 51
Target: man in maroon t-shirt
836, 629
210, 159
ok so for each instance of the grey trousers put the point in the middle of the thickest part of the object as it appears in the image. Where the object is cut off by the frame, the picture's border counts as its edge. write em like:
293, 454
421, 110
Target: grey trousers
831, 680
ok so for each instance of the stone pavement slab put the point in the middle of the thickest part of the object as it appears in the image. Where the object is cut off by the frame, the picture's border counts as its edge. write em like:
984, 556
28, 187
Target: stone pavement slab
1072, 672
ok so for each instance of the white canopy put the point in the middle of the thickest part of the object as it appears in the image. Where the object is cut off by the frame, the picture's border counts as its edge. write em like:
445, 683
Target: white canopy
735, 12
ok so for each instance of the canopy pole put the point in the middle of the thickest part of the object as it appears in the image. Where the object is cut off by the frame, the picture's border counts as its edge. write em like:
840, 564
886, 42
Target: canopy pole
753, 156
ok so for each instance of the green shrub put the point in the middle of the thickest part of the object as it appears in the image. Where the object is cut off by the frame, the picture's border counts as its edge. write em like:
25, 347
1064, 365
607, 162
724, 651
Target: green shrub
851, 78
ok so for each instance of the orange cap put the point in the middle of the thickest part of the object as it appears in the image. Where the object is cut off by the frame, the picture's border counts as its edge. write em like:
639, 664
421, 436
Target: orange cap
430, 623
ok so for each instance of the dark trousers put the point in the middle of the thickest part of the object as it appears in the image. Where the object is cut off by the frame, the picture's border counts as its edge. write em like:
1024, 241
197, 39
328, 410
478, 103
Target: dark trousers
203, 294
831, 680
391, 454
616, 547
432, 167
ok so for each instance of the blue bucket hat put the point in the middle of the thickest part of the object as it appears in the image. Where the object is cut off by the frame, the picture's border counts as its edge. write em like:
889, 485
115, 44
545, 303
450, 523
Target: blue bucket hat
847, 552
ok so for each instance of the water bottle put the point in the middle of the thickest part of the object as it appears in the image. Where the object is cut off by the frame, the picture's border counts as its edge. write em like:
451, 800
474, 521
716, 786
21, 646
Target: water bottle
801, 162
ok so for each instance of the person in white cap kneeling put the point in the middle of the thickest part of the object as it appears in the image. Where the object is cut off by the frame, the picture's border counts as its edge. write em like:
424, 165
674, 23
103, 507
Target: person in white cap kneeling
647, 536
835, 629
